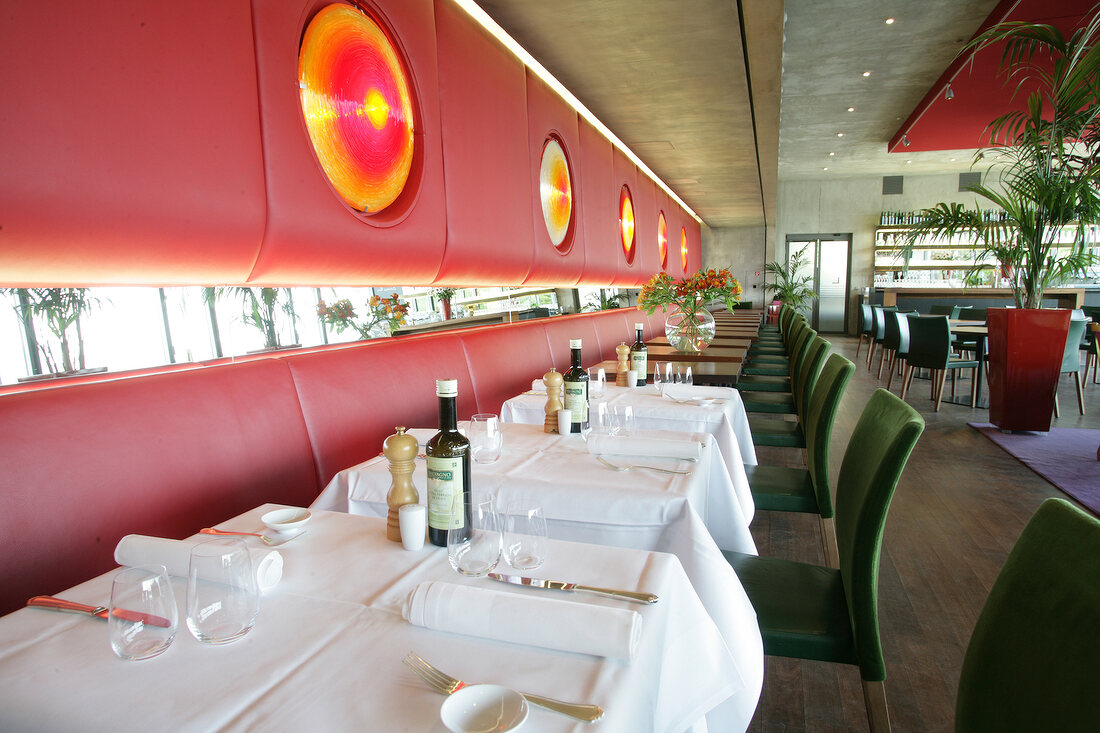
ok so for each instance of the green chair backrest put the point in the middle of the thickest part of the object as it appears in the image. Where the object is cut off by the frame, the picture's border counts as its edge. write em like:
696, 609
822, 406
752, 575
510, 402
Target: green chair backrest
873, 462
820, 416
1032, 661
804, 379
891, 338
1071, 359
878, 315
793, 320
929, 342
866, 323
942, 310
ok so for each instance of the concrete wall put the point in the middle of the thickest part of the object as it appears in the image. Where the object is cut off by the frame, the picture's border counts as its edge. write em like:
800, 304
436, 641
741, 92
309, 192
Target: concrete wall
742, 250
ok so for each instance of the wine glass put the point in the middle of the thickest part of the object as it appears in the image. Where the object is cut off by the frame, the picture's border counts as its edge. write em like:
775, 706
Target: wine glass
222, 597
474, 545
486, 438
143, 620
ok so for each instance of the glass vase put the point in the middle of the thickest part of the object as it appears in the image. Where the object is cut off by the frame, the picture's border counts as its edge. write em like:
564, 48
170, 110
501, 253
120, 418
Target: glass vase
689, 332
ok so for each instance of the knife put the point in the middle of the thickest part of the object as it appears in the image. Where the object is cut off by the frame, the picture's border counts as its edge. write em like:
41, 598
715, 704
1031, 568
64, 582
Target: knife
100, 611
573, 587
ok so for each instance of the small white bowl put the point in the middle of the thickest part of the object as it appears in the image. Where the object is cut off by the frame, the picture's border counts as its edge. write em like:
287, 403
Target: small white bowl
286, 520
483, 708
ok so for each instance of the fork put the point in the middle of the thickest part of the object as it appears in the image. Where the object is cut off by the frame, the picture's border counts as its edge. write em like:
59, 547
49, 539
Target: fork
272, 541
613, 467
444, 683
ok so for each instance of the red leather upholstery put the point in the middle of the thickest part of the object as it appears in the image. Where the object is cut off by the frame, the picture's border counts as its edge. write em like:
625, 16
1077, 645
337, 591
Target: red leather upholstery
614, 327
504, 359
560, 331
162, 455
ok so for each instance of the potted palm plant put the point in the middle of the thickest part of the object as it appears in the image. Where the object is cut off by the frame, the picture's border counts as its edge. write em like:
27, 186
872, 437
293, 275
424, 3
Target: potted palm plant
60, 309
790, 288
260, 308
1041, 201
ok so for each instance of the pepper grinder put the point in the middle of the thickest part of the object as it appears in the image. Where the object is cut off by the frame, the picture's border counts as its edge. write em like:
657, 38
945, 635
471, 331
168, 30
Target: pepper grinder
623, 352
400, 450
552, 379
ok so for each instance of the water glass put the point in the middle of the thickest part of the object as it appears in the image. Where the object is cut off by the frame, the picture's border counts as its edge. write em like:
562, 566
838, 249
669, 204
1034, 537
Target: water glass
474, 546
622, 420
688, 379
486, 438
677, 375
222, 597
658, 377
524, 535
143, 618
599, 418
597, 382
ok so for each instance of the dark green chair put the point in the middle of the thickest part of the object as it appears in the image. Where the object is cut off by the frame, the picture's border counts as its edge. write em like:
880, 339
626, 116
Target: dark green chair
930, 348
808, 367
1071, 362
780, 346
866, 325
1034, 657
772, 383
878, 330
813, 612
806, 490
891, 340
901, 351
782, 433
772, 358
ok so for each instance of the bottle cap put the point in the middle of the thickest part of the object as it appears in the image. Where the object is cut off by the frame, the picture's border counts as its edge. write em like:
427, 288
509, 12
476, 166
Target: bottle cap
446, 388
638, 326
574, 343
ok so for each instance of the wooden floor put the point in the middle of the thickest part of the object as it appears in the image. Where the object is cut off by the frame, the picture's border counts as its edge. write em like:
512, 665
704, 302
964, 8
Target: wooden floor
957, 512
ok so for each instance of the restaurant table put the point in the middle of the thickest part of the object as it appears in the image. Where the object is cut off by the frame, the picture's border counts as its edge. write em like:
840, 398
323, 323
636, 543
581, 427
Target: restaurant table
723, 374
326, 650
719, 340
711, 353
980, 332
727, 421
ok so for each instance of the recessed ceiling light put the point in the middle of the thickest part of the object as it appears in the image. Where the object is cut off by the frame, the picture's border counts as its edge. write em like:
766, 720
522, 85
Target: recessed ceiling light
952, 160
889, 21
867, 73
908, 162
840, 134
851, 109
832, 154
825, 168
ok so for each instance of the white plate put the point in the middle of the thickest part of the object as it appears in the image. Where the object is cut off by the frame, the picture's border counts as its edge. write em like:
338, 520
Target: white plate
286, 520
483, 708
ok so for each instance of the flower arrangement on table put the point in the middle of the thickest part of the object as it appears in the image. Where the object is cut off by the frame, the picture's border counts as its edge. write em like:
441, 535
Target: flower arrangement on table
689, 325
384, 315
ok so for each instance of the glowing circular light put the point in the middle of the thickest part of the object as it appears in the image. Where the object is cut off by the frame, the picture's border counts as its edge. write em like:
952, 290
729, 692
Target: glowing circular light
555, 192
662, 239
357, 107
626, 223
684, 248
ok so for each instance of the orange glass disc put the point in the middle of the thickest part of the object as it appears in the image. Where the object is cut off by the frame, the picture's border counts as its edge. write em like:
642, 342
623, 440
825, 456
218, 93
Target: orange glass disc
357, 107
684, 248
555, 191
662, 239
626, 223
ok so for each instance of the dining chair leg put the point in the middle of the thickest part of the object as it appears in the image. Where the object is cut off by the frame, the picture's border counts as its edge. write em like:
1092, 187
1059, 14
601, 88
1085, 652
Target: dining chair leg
878, 715
881, 358
1080, 393
906, 377
890, 376
1057, 412
954, 375
974, 388
870, 354
828, 542
941, 377
860, 343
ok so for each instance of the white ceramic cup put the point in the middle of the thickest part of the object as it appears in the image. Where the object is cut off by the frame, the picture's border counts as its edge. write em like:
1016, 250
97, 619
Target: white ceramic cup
632, 378
565, 421
412, 519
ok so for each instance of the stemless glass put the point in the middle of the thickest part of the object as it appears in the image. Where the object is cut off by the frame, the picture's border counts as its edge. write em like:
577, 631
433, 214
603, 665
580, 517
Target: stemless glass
524, 534
622, 420
486, 438
688, 379
658, 377
597, 382
143, 618
474, 548
222, 598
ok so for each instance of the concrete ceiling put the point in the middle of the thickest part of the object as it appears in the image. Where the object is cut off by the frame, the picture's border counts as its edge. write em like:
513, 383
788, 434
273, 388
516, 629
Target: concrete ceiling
683, 87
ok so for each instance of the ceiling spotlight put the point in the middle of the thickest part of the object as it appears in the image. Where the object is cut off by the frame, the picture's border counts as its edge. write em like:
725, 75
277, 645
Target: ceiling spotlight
949, 93
851, 109
905, 140
889, 21
825, 168
840, 134
908, 162
867, 73
831, 154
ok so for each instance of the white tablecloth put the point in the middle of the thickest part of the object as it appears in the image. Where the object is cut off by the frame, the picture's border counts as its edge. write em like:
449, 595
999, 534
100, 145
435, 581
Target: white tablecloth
327, 647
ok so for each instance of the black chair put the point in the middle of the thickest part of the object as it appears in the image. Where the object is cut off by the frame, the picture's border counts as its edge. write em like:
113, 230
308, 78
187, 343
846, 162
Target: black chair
878, 330
866, 327
930, 348
891, 339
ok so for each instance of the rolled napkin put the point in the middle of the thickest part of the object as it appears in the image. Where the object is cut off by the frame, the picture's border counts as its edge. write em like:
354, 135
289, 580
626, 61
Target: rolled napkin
175, 555
694, 392
632, 445
537, 385
537, 620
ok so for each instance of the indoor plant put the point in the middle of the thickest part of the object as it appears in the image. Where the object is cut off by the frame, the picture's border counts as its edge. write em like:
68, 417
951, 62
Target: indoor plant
383, 316
790, 288
1045, 188
60, 309
259, 308
688, 324
445, 296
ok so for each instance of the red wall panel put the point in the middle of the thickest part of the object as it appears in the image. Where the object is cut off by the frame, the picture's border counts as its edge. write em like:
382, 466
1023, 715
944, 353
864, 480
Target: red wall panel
483, 105
600, 193
548, 114
645, 212
695, 245
312, 237
626, 174
130, 149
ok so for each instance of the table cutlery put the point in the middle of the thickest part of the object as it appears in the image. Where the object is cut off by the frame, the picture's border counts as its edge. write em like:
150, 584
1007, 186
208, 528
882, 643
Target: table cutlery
270, 541
613, 467
444, 683
98, 611
630, 595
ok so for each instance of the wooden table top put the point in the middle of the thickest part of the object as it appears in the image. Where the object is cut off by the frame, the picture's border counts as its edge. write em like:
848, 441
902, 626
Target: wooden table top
733, 341
711, 353
709, 371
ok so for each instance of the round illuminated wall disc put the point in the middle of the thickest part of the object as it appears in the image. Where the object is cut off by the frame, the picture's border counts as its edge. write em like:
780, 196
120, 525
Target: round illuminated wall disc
357, 107
662, 239
555, 191
626, 223
684, 248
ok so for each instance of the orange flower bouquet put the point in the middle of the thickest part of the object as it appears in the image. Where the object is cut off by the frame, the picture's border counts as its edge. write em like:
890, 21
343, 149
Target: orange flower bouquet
689, 325
384, 315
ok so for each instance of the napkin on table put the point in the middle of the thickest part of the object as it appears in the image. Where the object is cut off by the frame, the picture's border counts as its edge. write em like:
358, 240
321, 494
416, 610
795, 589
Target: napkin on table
623, 445
537, 385
175, 556
691, 391
543, 621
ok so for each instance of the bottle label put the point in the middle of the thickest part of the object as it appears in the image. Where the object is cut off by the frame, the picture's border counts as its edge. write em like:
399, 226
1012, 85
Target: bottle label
444, 483
576, 399
638, 364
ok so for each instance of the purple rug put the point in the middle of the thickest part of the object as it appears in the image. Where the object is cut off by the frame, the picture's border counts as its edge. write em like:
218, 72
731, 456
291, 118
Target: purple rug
1066, 457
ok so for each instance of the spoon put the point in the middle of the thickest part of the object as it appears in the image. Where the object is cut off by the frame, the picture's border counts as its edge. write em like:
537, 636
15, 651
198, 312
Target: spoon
613, 467
272, 541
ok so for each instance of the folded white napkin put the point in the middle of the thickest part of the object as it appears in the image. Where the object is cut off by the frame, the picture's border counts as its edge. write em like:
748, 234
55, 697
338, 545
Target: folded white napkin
175, 555
692, 391
537, 385
527, 618
631, 445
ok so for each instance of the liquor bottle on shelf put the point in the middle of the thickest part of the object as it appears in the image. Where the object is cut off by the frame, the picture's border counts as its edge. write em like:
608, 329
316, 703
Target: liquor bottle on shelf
448, 454
575, 388
638, 355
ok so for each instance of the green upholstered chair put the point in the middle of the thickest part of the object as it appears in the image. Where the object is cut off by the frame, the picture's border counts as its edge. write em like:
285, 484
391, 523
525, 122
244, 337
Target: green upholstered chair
930, 348
1071, 361
1034, 657
783, 433
780, 346
806, 490
865, 327
807, 369
812, 612
878, 330
1093, 357
771, 383
891, 340
901, 350
779, 356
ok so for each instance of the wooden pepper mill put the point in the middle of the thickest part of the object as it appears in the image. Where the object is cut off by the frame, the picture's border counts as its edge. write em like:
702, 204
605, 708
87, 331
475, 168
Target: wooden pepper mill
552, 380
400, 450
623, 352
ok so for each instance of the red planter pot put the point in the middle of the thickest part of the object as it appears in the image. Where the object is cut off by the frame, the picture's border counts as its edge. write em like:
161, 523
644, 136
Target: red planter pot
446, 310
1025, 357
